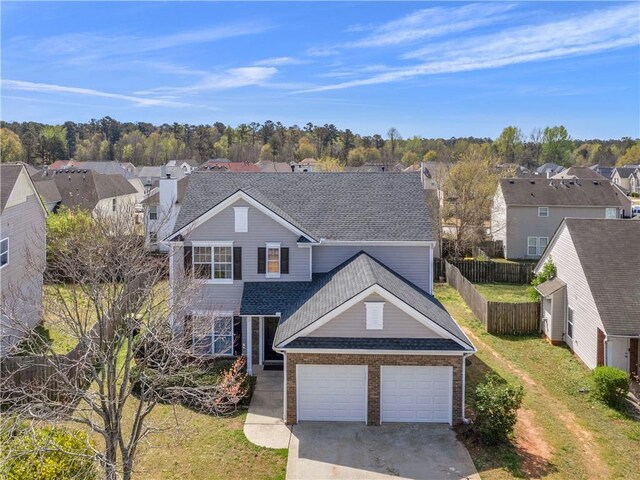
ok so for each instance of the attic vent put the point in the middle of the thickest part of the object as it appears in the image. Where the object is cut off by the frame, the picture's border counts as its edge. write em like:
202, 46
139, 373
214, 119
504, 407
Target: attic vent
533, 182
595, 182
511, 181
571, 182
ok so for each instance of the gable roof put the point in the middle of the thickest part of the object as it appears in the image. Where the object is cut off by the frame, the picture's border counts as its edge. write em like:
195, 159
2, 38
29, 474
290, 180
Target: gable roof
9, 174
303, 303
330, 206
549, 192
624, 172
107, 168
581, 173
269, 166
228, 166
85, 188
549, 167
609, 253
48, 190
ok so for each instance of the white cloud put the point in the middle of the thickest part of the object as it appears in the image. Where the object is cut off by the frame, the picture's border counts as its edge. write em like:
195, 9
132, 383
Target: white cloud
229, 79
280, 61
590, 33
49, 88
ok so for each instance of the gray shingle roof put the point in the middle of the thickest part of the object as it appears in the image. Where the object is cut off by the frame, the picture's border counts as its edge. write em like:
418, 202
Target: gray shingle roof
8, 176
550, 286
48, 190
535, 192
609, 252
336, 206
437, 344
302, 303
582, 173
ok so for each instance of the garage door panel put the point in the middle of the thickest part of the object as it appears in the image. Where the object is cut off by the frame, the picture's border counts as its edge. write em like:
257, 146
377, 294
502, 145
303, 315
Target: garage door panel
415, 394
332, 392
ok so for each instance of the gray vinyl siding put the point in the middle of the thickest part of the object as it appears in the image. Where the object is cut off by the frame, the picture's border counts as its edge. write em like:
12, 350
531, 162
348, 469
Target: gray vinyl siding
21, 278
558, 314
408, 261
586, 319
261, 229
523, 222
352, 323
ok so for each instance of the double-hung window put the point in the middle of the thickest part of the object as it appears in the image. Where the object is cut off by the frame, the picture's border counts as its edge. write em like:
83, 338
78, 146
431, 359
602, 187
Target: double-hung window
213, 262
570, 322
543, 211
212, 334
536, 245
273, 260
4, 252
153, 212
611, 213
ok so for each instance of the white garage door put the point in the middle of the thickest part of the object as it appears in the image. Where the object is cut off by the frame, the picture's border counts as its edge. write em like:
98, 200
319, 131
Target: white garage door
416, 394
332, 392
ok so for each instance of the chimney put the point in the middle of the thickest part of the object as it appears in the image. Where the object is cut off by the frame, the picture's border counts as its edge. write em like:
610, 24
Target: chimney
168, 194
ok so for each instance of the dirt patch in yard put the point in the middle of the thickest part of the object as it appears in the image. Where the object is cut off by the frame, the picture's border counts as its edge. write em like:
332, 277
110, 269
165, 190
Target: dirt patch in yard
591, 456
532, 447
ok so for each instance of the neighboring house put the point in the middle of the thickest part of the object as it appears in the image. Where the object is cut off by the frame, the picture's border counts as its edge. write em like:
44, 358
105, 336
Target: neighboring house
187, 166
151, 175
269, 166
22, 254
224, 165
329, 276
634, 181
306, 165
49, 194
606, 172
526, 212
593, 304
124, 169
549, 169
161, 209
579, 173
88, 190
621, 177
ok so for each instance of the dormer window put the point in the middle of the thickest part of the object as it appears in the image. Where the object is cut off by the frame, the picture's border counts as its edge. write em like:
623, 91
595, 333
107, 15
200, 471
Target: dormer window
241, 219
374, 311
543, 211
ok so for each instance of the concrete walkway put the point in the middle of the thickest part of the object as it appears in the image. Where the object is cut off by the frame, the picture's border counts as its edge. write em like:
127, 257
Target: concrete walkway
264, 425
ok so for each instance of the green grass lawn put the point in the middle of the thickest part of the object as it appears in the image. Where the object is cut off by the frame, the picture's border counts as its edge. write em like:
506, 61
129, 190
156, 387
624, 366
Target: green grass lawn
187, 444
585, 439
504, 292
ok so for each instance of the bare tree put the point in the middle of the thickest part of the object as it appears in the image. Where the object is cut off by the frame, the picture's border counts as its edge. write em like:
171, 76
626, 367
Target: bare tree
113, 299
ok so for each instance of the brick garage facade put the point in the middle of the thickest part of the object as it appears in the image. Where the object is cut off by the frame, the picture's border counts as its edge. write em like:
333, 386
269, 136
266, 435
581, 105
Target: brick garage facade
374, 362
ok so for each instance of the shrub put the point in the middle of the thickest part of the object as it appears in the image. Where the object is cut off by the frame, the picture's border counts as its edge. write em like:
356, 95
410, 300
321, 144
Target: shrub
611, 385
548, 272
496, 409
46, 453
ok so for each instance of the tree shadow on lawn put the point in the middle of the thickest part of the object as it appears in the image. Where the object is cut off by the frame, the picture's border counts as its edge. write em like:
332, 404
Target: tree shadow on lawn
522, 456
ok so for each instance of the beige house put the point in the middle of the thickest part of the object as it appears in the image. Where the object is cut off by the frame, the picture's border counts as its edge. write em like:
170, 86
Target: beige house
526, 212
592, 304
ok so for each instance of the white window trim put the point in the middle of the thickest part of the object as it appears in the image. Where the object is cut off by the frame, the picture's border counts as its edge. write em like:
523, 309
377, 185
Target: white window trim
214, 316
272, 246
371, 308
538, 246
214, 281
609, 209
570, 321
546, 210
153, 207
7, 252
241, 219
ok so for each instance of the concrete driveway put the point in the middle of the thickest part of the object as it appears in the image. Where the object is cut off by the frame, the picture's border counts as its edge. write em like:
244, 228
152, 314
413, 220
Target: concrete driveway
354, 451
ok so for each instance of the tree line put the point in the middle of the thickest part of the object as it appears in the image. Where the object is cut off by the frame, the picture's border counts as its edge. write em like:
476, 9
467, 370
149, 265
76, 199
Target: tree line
143, 143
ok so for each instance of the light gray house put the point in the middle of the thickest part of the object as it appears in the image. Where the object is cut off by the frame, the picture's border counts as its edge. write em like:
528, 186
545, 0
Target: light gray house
22, 255
526, 212
593, 303
621, 176
330, 277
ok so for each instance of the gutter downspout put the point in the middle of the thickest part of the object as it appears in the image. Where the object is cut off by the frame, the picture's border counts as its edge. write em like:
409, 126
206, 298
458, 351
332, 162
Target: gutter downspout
465, 420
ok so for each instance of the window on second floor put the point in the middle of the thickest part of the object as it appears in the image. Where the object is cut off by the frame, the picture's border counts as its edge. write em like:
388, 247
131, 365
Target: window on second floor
214, 262
153, 212
4, 252
536, 245
543, 211
611, 213
153, 237
273, 260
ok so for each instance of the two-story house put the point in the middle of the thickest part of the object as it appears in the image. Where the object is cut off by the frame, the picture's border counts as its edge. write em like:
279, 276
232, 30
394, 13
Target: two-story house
526, 212
329, 277
593, 303
22, 255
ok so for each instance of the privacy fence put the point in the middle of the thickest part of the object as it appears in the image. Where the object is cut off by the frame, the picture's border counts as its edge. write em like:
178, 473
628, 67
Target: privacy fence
486, 271
496, 317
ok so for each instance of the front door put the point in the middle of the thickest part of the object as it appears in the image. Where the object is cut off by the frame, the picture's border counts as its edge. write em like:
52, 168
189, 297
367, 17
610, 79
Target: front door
618, 352
270, 326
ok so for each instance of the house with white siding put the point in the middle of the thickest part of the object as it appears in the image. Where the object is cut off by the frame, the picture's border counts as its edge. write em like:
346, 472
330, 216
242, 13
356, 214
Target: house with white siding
22, 255
593, 303
327, 276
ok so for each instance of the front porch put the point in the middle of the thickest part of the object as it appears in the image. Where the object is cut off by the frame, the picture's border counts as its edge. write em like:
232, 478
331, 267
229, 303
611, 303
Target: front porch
258, 333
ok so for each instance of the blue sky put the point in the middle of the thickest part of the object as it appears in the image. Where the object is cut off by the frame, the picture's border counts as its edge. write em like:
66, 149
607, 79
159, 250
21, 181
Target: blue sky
427, 68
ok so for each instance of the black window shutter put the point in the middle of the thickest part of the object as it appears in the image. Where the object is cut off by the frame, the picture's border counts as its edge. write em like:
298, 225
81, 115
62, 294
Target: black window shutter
237, 263
188, 264
262, 260
237, 336
284, 260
